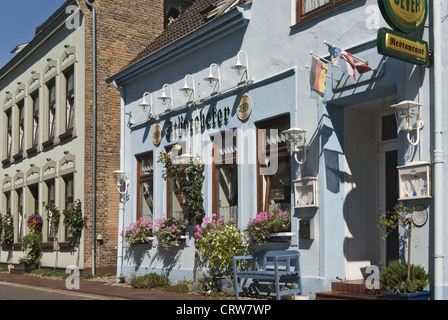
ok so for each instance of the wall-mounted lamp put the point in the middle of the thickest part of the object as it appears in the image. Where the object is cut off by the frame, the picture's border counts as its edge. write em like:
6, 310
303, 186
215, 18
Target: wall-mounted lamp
146, 104
408, 116
186, 89
122, 181
241, 67
297, 140
211, 78
165, 98
130, 121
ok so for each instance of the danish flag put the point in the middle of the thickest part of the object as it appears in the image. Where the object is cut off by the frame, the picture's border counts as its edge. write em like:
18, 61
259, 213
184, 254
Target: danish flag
361, 67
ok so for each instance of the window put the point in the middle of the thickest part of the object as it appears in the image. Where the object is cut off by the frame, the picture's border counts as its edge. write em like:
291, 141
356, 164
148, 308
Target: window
20, 216
176, 205
68, 195
306, 9
145, 186
388, 128
8, 217
225, 176
21, 133
8, 117
70, 101
51, 89
274, 186
50, 200
35, 122
34, 190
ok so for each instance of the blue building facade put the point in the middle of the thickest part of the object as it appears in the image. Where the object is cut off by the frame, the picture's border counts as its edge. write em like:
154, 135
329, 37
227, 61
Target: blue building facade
355, 154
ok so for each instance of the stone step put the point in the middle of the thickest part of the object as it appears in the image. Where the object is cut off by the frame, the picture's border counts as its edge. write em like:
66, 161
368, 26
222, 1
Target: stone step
350, 290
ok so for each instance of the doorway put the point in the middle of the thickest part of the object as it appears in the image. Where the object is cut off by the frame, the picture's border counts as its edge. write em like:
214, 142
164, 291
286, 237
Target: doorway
388, 187
370, 148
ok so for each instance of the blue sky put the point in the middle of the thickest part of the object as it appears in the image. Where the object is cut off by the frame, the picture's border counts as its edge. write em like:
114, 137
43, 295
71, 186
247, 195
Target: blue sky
18, 22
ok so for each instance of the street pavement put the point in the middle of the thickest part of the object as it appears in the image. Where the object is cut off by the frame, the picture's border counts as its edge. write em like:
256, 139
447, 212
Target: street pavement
101, 290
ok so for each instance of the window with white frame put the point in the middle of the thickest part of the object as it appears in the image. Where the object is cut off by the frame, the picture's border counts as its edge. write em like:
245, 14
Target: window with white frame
35, 120
21, 128
68, 196
20, 215
8, 142
69, 77
51, 109
51, 200
8, 217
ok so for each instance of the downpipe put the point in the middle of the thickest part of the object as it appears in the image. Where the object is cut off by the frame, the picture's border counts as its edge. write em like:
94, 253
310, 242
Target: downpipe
94, 133
438, 152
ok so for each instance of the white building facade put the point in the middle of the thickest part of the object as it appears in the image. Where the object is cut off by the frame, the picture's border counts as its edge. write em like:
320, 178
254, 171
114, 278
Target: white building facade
42, 94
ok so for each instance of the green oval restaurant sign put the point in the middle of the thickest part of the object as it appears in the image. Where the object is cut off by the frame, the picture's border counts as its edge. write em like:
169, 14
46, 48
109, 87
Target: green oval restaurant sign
407, 16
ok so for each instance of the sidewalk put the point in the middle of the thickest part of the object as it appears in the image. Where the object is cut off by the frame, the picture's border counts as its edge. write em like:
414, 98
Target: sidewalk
100, 288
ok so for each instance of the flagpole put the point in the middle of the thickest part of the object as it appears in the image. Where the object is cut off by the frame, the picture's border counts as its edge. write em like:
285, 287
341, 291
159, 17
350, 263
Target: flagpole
308, 67
323, 59
357, 58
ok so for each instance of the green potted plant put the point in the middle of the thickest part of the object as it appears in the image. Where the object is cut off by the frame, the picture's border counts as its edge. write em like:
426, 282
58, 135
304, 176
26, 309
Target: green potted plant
32, 244
218, 241
75, 223
403, 280
7, 231
54, 218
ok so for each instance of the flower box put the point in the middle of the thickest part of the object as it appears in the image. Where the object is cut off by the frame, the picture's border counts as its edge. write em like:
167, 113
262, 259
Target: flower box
139, 232
281, 236
183, 239
148, 240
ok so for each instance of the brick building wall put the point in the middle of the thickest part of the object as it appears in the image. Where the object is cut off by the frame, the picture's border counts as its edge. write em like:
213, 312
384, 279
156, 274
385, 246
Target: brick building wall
124, 29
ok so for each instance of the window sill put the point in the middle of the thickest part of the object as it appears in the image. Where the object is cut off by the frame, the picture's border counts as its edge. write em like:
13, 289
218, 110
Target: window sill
18, 156
48, 143
31, 150
66, 135
6, 162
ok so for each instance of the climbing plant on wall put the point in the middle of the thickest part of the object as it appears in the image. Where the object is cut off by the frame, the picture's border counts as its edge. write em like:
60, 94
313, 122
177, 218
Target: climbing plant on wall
187, 178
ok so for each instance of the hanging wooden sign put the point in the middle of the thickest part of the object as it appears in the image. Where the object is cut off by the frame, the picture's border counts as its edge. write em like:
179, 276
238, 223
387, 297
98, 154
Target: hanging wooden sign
403, 47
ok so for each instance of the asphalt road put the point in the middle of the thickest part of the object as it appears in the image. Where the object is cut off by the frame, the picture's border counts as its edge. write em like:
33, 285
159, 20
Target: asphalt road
13, 291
